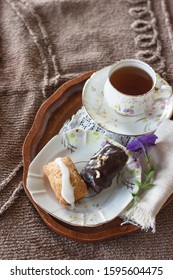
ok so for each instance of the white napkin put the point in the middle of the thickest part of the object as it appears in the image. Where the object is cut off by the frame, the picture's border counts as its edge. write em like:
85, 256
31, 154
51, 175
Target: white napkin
144, 212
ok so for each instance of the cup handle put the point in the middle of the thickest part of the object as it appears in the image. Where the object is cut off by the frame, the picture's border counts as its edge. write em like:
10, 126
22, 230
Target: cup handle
163, 92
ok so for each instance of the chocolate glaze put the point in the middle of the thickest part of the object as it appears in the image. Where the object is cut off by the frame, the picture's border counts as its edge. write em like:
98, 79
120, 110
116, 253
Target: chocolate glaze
103, 167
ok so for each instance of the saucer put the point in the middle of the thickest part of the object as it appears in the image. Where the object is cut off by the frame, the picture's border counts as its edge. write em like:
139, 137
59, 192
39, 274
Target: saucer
107, 118
94, 209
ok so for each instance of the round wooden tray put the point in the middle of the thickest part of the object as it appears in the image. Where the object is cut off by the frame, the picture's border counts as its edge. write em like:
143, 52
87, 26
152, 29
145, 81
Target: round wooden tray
65, 102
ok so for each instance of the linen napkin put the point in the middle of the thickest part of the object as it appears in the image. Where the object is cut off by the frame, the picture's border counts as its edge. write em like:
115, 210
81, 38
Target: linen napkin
145, 211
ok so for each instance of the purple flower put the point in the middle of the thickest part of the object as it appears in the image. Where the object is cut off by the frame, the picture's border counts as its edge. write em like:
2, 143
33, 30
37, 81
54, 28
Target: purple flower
128, 110
148, 140
135, 146
142, 142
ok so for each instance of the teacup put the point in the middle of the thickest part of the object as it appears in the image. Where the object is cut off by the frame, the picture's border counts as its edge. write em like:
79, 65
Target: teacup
130, 88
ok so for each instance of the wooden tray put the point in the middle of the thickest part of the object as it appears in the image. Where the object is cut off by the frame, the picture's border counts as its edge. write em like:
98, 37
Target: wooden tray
48, 121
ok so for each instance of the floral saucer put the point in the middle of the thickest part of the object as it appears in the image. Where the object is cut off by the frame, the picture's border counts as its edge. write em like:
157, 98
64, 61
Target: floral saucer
107, 118
95, 209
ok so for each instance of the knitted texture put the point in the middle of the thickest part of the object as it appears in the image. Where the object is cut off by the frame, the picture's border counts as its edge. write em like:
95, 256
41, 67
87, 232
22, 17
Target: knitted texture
42, 45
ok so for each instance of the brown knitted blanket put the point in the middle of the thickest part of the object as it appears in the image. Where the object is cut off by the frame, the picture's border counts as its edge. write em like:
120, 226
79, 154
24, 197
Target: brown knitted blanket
42, 45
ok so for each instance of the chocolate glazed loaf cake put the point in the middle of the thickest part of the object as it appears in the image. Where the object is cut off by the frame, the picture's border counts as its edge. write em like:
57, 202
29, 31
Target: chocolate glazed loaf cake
103, 167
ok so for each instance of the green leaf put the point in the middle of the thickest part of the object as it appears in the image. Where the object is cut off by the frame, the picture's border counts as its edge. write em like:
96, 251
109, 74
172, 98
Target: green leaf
135, 198
150, 175
137, 183
147, 186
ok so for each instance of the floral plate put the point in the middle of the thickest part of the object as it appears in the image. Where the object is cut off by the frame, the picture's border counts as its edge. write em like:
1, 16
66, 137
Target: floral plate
95, 209
107, 118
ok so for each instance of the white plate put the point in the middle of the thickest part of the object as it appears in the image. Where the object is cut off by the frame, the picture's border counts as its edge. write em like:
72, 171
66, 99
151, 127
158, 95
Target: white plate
107, 118
94, 209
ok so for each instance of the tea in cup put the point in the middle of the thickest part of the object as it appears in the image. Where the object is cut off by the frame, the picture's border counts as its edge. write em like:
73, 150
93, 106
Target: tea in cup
130, 87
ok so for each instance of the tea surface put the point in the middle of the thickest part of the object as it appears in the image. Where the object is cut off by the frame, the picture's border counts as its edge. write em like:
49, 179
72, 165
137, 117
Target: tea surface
131, 80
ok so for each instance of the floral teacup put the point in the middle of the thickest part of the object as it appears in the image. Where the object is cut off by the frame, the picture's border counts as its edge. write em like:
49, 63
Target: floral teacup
135, 93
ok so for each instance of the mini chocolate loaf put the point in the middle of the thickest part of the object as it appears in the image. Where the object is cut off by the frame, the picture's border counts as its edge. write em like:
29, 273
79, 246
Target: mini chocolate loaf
103, 167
